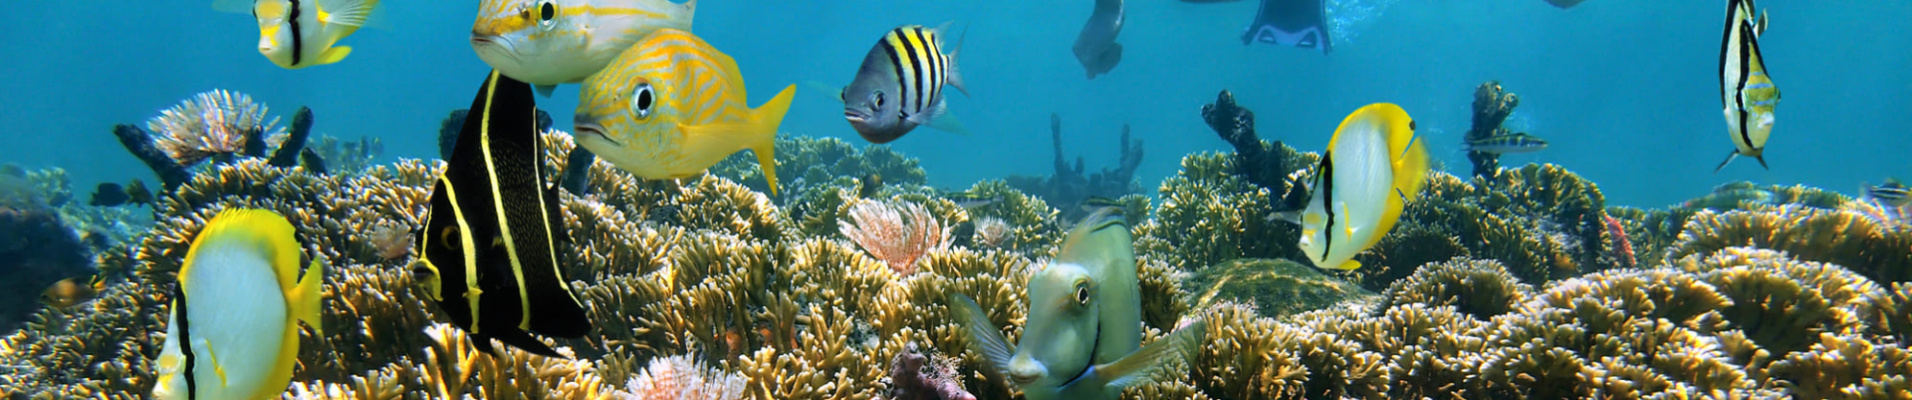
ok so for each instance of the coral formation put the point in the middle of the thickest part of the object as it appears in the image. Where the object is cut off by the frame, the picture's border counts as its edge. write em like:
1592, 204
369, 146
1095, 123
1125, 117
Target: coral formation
1492, 105
1068, 186
221, 126
36, 249
1274, 287
1255, 160
1879, 250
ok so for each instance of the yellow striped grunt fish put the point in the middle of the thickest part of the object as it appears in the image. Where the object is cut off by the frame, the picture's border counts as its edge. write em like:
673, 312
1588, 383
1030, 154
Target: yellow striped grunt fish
1747, 93
671, 106
301, 33
234, 328
551, 42
488, 253
1373, 167
900, 85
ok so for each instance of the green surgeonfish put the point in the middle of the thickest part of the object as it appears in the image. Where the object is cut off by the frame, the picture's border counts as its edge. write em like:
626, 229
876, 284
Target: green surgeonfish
1083, 339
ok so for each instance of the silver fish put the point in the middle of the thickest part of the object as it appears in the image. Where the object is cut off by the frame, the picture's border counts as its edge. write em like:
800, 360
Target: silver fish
900, 85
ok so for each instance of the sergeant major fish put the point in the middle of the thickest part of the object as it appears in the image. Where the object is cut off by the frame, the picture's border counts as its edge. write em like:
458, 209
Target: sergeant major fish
1084, 329
551, 42
900, 85
671, 106
488, 248
301, 33
233, 332
1746, 92
1373, 167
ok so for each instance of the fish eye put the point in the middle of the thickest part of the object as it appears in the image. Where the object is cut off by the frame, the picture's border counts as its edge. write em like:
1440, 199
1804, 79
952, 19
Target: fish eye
642, 100
449, 237
876, 99
1082, 293
547, 11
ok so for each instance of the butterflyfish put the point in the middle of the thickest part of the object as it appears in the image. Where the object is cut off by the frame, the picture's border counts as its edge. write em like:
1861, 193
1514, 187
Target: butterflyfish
1084, 329
233, 332
671, 106
1372, 169
551, 42
488, 248
1747, 93
900, 85
301, 33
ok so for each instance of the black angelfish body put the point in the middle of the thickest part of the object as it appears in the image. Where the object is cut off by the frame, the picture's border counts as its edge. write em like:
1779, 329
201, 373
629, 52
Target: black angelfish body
487, 252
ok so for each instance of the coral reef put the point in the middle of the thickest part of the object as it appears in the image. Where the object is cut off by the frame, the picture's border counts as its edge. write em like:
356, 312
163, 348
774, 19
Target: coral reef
1255, 160
681, 377
1275, 288
1492, 105
1068, 186
1879, 250
912, 377
36, 249
217, 125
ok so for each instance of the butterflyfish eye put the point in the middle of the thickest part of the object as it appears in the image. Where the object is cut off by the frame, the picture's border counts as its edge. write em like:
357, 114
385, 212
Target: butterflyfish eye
642, 100
1082, 293
449, 237
1410, 125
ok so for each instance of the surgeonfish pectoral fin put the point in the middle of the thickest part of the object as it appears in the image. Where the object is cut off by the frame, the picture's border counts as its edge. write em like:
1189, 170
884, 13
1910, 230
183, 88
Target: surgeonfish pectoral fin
304, 299
983, 337
757, 132
1139, 367
938, 117
1729, 159
333, 55
951, 77
545, 90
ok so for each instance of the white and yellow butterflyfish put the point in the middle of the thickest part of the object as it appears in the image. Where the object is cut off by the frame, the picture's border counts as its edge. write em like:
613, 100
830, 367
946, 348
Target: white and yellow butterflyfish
1747, 94
233, 332
302, 33
1372, 169
551, 42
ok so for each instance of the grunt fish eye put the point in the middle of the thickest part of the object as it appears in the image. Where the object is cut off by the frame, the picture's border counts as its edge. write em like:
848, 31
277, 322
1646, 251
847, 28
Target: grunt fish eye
547, 11
642, 99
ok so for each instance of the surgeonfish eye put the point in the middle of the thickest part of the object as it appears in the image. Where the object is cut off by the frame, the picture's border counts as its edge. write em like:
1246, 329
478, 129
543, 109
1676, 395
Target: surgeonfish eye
642, 100
547, 12
1082, 293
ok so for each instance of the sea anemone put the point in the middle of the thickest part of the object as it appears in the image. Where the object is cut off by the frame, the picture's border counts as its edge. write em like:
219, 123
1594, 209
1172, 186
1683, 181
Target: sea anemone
898, 233
213, 123
992, 232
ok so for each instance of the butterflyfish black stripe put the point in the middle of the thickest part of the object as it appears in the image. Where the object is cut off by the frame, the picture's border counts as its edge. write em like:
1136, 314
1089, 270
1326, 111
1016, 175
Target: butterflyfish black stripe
1745, 73
916, 67
298, 41
185, 338
1726, 45
896, 63
1325, 181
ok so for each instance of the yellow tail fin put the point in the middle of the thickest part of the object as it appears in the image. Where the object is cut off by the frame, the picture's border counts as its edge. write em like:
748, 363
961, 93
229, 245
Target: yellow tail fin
303, 301
767, 118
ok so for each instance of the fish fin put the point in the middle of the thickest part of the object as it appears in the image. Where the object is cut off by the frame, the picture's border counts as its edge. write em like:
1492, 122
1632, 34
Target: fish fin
950, 76
757, 132
1140, 366
824, 89
1290, 216
1760, 27
524, 341
233, 6
1729, 159
482, 343
1762, 162
304, 300
938, 117
354, 13
1349, 266
545, 90
692, 6
983, 337
334, 54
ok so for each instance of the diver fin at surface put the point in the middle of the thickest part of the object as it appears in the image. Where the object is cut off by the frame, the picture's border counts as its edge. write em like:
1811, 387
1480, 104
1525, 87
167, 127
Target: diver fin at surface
1299, 23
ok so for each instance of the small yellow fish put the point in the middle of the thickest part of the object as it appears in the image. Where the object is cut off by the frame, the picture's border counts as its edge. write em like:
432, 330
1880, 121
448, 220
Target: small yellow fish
1372, 169
550, 42
1747, 94
70, 291
671, 106
234, 328
301, 33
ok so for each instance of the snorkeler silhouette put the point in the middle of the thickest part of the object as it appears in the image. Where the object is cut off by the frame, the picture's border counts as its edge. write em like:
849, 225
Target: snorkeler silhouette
1299, 23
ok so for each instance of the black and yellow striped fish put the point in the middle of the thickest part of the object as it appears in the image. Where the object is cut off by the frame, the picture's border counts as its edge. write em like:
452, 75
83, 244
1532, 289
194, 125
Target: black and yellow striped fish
900, 85
1746, 93
487, 253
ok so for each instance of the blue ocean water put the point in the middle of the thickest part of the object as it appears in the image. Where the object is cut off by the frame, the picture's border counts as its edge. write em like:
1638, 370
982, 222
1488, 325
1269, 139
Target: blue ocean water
1626, 91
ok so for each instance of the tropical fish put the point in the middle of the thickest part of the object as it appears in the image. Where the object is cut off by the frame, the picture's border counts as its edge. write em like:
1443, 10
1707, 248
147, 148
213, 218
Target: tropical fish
302, 33
552, 42
1084, 331
1508, 144
234, 332
75, 290
488, 249
1299, 23
1746, 91
671, 106
1891, 193
1732, 196
900, 85
110, 194
1095, 47
1372, 169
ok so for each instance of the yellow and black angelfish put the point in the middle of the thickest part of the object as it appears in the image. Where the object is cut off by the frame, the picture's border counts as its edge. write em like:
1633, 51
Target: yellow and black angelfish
487, 252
